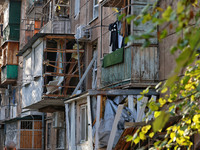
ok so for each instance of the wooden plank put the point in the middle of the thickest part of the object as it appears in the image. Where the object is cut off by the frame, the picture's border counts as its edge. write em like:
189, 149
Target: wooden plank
114, 127
131, 106
84, 75
140, 108
73, 126
97, 121
89, 123
37, 139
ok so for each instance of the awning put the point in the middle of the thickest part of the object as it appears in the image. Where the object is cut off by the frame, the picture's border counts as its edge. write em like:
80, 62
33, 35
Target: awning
49, 104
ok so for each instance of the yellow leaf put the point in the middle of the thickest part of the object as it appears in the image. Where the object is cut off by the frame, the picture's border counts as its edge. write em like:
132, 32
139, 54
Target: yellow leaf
172, 135
151, 134
164, 90
157, 113
115, 9
162, 101
196, 118
159, 9
142, 136
136, 140
146, 128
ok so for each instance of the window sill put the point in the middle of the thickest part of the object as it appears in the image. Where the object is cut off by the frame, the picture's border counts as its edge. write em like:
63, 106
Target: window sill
93, 20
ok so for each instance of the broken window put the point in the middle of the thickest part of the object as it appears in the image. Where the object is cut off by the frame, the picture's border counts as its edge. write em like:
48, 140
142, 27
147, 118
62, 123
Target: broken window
83, 124
61, 67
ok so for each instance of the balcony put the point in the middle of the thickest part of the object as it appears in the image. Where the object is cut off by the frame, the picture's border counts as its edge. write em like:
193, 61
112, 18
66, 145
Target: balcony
57, 26
50, 64
11, 26
138, 68
9, 74
8, 112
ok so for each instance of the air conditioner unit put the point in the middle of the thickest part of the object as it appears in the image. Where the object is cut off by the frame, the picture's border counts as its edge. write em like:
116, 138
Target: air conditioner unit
58, 119
83, 33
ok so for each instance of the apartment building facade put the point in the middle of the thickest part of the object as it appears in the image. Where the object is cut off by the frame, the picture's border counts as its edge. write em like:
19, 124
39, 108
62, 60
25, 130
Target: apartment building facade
67, 74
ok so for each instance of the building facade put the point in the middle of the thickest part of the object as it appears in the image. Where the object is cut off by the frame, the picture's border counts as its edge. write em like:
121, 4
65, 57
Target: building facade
67, 75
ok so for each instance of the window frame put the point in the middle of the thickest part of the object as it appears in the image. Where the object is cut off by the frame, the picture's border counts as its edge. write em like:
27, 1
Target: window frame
77, 8
95, 9
84, 106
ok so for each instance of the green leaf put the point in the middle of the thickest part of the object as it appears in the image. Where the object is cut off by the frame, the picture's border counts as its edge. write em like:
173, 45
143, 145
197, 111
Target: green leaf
160, 121
180, 7
163, 34
166, 15
129, 18
120, 17
129, 138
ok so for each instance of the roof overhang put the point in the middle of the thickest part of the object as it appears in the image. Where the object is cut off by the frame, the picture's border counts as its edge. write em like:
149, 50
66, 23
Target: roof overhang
116, 92
42, 35
47, 105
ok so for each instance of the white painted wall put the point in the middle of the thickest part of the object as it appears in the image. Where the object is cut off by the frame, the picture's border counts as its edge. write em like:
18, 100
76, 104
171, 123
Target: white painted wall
32, 75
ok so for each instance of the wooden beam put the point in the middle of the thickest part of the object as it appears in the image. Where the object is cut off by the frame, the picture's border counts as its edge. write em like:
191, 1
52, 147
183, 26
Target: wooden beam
141, 107
97, 121
51, 109
131, 106
84, 75
114, 127
89, 124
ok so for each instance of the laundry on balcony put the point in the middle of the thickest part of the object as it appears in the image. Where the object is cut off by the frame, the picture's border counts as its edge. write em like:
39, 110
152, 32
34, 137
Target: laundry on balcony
116, 40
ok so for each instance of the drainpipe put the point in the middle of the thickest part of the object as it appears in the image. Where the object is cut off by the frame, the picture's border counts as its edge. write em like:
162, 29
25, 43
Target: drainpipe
43, 130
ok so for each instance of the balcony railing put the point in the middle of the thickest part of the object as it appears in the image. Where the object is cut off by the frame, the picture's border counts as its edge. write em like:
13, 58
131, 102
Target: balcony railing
138, 69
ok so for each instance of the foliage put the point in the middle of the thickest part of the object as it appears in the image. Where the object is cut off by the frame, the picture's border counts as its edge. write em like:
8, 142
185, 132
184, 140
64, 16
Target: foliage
181, 92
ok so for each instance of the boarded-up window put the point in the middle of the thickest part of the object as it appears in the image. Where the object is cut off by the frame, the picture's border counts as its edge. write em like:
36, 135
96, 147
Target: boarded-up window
31, 134
83, 124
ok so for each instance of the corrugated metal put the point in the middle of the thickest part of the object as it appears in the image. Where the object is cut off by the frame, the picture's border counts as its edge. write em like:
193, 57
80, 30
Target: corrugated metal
140, 66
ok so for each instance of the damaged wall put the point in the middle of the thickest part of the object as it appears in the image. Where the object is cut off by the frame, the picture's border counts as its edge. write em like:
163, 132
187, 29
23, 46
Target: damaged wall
32, 78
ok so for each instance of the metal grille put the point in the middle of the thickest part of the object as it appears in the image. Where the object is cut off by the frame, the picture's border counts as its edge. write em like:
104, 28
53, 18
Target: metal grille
31, 134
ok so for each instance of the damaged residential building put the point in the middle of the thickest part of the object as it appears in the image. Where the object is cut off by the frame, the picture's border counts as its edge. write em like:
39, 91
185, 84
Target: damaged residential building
68, 80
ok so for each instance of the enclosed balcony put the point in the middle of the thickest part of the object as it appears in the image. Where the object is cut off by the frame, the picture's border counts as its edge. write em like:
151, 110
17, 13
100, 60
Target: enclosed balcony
9, 67
130, 67
11, 26
56, 17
